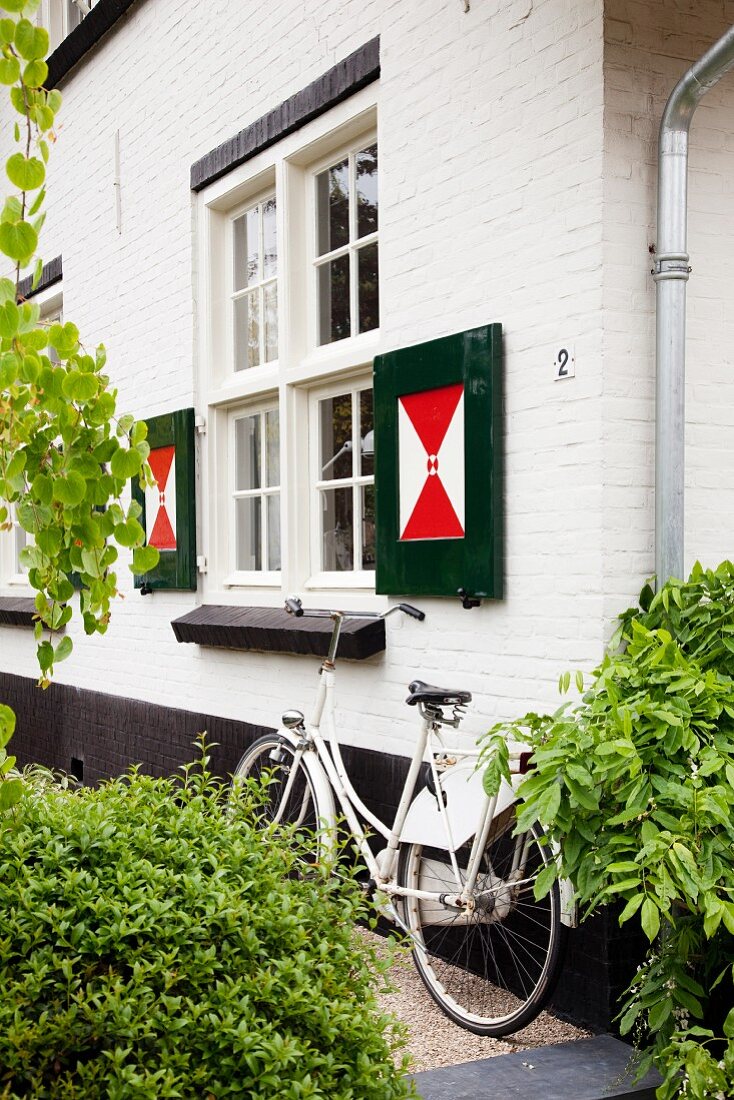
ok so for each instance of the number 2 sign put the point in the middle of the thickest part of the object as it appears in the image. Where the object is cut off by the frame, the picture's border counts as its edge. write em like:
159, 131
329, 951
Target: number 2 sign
564, 363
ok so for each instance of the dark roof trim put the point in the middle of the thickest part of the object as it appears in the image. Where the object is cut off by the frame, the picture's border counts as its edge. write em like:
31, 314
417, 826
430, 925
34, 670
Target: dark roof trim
51, 273
271, 629
353, 73
92, 28
17, 611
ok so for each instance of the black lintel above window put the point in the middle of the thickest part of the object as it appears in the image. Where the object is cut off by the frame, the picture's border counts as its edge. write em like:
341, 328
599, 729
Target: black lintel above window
271, 629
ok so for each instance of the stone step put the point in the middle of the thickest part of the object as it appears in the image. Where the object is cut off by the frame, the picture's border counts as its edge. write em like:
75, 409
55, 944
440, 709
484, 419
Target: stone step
589, 1069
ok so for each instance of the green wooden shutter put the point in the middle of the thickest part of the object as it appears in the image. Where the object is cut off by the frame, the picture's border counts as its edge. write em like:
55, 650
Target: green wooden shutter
439, 526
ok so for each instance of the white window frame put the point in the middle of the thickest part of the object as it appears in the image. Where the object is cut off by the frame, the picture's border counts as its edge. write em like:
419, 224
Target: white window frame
303, 367
12, 576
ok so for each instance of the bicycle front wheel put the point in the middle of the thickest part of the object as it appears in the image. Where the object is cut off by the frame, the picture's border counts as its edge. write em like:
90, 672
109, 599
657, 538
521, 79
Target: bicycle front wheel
490, 970
288, 792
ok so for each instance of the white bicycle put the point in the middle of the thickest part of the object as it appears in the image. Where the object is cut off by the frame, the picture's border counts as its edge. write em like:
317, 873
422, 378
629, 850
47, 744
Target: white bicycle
451, 873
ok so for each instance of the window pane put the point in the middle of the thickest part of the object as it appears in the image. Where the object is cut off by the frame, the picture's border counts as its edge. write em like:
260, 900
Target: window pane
367, 191
334, 300
337, 526
273, 508
272, 448
335, 419
369, 312
247, 331
332, 207
270, 311
270, 240
366, 464
247, 249
248, 554
247, 452
368, 527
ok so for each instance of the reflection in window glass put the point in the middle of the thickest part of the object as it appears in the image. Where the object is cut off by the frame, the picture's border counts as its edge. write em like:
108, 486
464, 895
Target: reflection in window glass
247, 452
368, 527
346, 454
254, 286
248, 551
336, 437
337, 520
334, 300
257, 492
367, 191
368, 289
366, 431
347, 215
332, 200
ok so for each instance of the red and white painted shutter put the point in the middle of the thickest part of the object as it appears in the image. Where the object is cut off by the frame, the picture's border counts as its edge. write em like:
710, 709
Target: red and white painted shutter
431, 464
160, 499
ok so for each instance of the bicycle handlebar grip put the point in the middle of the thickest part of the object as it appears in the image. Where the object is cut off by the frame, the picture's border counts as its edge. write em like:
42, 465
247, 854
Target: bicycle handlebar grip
412, 611
293, 606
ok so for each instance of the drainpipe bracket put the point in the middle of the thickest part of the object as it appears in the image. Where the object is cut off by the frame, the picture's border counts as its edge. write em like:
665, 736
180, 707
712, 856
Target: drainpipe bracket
671, 265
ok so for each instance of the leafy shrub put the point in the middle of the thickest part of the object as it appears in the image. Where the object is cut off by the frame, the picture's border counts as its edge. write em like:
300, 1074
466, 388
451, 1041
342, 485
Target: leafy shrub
152, 945
636, 783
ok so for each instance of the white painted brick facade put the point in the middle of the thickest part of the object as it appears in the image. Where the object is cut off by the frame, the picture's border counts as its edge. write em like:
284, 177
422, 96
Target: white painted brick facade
514, 188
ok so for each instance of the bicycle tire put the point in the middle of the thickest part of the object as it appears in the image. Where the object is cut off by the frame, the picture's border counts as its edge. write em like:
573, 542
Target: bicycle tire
268, 761
492, 971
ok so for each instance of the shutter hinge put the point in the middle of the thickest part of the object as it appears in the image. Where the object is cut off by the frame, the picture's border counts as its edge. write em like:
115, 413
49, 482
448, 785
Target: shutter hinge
200, 425
201, 564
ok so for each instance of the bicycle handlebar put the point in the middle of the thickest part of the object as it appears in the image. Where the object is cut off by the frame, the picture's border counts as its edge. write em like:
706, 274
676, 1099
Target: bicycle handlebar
294, 606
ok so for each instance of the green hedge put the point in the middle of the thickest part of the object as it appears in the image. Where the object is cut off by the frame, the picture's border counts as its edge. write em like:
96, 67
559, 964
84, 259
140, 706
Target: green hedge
153, 946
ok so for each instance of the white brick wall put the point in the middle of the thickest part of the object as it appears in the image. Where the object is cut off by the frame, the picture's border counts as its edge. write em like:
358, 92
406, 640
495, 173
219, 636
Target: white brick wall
648, 47
493, 189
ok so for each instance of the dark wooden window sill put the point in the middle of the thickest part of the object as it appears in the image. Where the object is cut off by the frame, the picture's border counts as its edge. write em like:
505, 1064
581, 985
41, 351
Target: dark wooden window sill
270, 629
17, 611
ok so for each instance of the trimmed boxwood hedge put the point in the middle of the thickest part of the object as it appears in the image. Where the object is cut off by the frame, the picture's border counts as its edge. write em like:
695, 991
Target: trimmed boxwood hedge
154, 945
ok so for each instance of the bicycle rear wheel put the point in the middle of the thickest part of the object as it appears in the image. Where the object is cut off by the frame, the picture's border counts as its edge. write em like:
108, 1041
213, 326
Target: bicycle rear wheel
270, 761
492, 970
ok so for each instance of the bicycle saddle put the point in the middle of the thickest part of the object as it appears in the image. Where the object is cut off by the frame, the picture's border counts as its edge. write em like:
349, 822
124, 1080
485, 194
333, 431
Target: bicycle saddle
442, 697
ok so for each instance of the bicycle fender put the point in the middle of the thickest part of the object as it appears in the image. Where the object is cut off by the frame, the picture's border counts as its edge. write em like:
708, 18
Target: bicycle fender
321, 786
465, 803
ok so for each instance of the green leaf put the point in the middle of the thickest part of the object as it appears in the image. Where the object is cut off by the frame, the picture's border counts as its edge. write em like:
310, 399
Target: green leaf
7, 724
63, 649
80, 387
9, 318
548, 803
729, 1025
9, 70
70, 489
145, 558
30, 41
45, 654
125, 464
34, 76
650, 917
129, 533
545, 880
631, 908
11, 792
18, 240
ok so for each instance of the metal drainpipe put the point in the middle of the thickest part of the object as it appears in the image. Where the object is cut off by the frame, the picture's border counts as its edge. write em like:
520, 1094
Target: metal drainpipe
671, 275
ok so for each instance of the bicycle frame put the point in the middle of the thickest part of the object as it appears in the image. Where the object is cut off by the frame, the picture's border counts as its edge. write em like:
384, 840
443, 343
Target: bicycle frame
382, 869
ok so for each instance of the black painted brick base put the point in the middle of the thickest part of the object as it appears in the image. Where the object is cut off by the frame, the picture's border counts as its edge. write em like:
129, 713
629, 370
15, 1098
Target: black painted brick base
108, 734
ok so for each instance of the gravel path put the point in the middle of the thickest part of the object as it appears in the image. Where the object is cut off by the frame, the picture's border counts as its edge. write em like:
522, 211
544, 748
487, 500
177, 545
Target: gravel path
434, 1041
